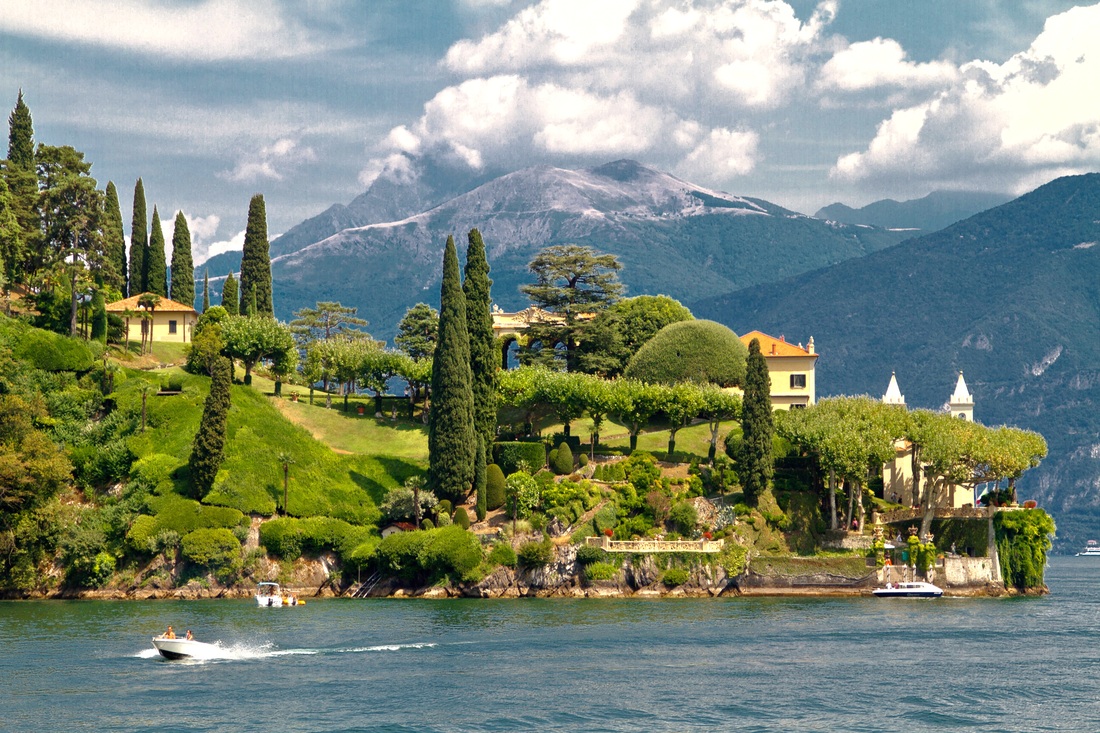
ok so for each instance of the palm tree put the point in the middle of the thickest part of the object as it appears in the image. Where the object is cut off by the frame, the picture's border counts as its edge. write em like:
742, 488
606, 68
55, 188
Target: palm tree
148, 302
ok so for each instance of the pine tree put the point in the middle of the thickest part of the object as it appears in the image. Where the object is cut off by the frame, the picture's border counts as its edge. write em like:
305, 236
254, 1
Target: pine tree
484, 359
207, 450
206, 291
183, 268
451, 436
139, 242
114, 241
11, 237
156, 264
757, 427
256, 261
229, 295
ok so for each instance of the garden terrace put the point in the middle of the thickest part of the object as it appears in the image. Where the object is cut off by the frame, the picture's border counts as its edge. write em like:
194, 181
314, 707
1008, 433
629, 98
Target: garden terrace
641, 546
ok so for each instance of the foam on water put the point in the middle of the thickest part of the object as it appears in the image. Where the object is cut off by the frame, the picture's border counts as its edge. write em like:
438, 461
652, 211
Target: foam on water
240, 652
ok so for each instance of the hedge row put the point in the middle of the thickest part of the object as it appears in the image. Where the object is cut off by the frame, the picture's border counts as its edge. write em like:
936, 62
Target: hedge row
509, 455
431, 553
289, 538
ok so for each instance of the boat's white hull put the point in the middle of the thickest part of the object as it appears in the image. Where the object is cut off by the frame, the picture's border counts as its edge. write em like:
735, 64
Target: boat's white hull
272, 601
909, 590
182, 648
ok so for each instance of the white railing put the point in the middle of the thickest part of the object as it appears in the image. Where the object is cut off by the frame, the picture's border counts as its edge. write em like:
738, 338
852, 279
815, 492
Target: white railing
642, 546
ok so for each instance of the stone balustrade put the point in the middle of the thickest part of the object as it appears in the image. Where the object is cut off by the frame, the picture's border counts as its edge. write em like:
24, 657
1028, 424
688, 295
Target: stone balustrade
643, 546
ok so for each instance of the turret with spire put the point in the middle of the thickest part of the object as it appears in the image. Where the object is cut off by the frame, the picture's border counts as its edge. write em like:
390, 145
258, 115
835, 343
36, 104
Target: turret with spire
961, 404
893, 394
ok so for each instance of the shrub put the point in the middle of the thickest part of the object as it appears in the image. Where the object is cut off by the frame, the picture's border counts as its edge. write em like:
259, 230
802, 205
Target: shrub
535, 554
52, 352
282, 538
142, 533
522, 492
153, 471
697, 351
674, 577
642, 470
103, 567
494, 487
462, 518
427, 524
601, 571
444, 507
503, 554
582, 460
606, 518
684, 516
211, 547
587, 554
450, 551
562, 462
399, 554
509, 456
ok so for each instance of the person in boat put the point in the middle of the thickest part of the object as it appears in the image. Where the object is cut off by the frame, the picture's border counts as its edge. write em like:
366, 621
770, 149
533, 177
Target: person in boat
189, 637
170, 633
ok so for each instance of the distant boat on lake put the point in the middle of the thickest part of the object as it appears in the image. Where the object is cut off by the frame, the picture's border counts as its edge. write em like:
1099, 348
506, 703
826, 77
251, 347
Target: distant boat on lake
1092, 549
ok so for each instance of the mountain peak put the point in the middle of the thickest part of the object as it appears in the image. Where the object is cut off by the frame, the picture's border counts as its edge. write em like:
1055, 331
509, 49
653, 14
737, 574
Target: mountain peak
624, 170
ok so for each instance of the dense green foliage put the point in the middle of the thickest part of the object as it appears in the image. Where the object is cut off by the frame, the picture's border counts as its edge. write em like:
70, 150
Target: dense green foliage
535, 554
1023, 540
183, 268
230, 296
452, 441
697, 351
45, 350
427, 554
139, 242
494, 487
208, 449
210, 547
484, 359
156, 264
289, 538
755, 464
418, 331
256, 262
561, 459
510, 457
480, 486
114, 241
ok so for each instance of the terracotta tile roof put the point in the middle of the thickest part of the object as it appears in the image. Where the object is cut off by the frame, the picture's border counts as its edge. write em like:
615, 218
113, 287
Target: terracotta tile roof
165, 305
772, 346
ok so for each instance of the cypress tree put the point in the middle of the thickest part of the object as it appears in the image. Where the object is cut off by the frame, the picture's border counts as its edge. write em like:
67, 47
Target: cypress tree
206, 290
479, 322
22, 183
229, 295
11, 237
21, 135
480, 485
757, 428
451, 437
156, 266
139, 242
207, 449
114, 241
99, 318
183, 268
256, 261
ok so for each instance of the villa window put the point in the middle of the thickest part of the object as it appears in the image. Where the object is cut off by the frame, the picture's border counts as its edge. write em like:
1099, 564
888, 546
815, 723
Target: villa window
798, 381
171, 326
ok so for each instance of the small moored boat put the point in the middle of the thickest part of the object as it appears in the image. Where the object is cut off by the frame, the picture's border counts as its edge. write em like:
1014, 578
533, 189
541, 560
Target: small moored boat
183, 648
908, 589
270, 594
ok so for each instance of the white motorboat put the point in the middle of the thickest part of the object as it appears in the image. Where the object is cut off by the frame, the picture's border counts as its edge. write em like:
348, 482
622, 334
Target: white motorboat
184, 648
270, 595
908, 589
1092, 549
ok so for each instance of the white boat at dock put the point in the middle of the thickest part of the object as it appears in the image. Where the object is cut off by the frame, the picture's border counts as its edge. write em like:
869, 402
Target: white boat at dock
271, 595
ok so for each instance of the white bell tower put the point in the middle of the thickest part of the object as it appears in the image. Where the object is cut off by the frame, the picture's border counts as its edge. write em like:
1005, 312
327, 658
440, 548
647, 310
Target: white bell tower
893, 394
961, 403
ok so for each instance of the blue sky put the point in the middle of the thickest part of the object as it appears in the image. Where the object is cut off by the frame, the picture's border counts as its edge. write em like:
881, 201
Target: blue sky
802, 102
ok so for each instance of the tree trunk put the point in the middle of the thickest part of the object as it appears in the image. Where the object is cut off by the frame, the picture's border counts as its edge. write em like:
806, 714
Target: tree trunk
671, 443
72, 299
832, 500
712, 452
633, 441
851, 504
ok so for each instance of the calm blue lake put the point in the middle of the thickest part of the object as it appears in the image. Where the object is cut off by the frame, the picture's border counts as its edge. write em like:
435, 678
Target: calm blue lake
564, 665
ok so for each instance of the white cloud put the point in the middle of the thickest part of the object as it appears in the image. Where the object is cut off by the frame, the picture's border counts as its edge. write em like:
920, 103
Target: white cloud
1018, 124
270, 162
209, 30
203, 253
672, 82
880, 63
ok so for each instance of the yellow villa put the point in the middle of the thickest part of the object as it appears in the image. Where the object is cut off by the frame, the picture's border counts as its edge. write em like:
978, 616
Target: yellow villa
168, 321
791, 368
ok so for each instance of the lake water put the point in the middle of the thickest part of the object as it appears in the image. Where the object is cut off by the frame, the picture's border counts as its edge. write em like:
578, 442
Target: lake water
729, 664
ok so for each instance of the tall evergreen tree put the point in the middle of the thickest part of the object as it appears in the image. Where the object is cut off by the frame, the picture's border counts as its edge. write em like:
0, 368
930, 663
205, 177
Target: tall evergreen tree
207, 450
21, 135
139, 242
484, 359
11, 237
480, 481
206, 290
757, 427
114, 241
183, 268
229, 295
256, 261
22, 183
156, 264
99, 318
452, 440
